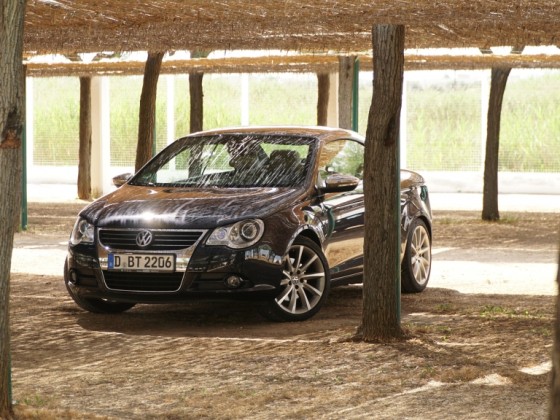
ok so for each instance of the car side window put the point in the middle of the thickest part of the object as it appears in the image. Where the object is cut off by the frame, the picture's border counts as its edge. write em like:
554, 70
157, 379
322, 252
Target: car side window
342, 157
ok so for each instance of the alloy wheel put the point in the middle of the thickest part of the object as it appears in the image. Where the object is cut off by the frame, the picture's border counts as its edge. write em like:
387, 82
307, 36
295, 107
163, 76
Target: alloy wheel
420, 255
304, 281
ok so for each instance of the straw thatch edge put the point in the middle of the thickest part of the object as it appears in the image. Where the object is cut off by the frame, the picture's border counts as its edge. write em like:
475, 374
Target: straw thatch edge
289, 63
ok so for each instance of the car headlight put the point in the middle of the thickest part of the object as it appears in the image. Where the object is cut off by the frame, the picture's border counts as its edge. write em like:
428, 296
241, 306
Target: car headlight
239, 235
82, 232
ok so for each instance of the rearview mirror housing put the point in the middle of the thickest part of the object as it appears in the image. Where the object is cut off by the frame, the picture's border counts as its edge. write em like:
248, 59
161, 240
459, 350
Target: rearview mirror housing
121, 179
340, 183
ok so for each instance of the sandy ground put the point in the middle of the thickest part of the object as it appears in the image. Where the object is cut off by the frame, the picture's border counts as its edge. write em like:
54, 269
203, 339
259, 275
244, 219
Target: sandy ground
478, 346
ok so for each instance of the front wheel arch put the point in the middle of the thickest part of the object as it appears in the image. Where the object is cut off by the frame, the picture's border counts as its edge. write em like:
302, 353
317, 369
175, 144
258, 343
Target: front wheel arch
305, 284
309, 233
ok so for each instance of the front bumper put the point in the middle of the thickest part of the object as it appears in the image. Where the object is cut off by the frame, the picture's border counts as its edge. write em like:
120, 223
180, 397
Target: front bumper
200, 272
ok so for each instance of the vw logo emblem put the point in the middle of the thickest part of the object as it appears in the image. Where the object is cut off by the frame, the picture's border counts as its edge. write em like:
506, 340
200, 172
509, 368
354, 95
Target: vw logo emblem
144, 238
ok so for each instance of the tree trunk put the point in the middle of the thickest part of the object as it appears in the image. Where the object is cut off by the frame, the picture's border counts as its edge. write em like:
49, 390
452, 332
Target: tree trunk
147, 117
554, 412
197, 101
381, 289
490, 190
323, 87
345, 91
84, 155
12, 114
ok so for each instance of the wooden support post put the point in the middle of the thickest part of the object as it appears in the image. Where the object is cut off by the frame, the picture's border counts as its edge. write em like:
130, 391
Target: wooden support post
381, 289
12, 114
84, 152
197, 102
490, 190
345, 89
323, 84
147, 114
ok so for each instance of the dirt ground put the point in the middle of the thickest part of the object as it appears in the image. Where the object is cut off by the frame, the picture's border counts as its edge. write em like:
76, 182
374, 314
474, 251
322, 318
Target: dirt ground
468, 356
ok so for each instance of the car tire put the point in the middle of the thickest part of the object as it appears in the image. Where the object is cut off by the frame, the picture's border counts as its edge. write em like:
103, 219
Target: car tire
417, 260
304, 286
95, 305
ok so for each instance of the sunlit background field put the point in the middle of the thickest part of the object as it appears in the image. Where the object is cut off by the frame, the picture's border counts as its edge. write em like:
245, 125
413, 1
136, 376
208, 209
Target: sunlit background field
444, 115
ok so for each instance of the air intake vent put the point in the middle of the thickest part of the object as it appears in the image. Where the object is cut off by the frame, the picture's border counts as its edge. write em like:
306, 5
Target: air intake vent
143, 282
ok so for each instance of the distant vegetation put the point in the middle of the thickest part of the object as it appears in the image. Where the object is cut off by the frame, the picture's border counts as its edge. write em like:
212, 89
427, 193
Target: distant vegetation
443, 126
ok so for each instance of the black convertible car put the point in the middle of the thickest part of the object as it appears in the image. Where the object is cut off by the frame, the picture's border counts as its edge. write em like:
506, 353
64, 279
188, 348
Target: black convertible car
271, 213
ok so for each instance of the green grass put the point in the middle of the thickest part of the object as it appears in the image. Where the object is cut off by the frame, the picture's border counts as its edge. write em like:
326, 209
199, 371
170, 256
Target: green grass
57, 108
490, 311
444, 128
37, 401
530, 125
444, 308
443, 125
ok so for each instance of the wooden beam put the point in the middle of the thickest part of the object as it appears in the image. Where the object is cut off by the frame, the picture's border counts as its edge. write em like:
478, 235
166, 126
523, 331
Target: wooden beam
292, 64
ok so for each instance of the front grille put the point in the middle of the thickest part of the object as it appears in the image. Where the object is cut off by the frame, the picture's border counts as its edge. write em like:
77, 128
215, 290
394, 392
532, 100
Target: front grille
143, 282
163, 240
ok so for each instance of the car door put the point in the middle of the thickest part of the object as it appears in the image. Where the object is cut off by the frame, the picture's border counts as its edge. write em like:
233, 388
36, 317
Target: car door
343, 213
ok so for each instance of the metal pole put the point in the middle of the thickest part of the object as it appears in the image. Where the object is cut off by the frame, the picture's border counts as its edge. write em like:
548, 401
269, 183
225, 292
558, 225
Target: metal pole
24, 158
154, 146
10, 379
24, 182
355, 95
398, 223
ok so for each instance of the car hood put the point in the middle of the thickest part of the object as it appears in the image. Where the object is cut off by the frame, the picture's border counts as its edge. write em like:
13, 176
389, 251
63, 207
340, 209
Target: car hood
162, 207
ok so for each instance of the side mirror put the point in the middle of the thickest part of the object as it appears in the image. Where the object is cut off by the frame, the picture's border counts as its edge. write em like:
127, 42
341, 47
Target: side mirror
340, 183
121, 179
410, 179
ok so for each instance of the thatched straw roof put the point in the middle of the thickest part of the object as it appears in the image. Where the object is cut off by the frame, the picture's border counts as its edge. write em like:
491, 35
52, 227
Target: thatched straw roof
315, 28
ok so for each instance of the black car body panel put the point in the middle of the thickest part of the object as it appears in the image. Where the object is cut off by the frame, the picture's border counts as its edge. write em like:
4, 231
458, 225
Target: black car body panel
174, 208
183, 218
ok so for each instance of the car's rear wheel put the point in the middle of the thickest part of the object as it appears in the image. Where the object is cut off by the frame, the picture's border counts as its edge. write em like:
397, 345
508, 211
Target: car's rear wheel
417, 260
304, 286
95, 305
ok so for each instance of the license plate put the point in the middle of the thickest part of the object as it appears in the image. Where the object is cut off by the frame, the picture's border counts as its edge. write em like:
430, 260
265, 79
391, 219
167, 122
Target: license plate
141, 262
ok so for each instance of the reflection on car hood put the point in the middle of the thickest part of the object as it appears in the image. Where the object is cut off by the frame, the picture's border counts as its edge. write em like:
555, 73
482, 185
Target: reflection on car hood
161, 207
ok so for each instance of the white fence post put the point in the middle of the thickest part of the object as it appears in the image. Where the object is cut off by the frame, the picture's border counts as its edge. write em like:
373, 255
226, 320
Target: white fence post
170, 79
100, 137
245, 99
484, 101
29, 121
403, 125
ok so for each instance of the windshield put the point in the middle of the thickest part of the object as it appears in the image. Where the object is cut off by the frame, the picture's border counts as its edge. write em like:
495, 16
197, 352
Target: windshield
231, 161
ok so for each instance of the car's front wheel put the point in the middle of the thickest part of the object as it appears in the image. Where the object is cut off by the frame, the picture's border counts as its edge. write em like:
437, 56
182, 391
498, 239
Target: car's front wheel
95, 305
304, 286
417, 260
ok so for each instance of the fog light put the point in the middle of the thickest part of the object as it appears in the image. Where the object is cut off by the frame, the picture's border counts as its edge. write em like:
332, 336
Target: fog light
74, 276
234, 282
